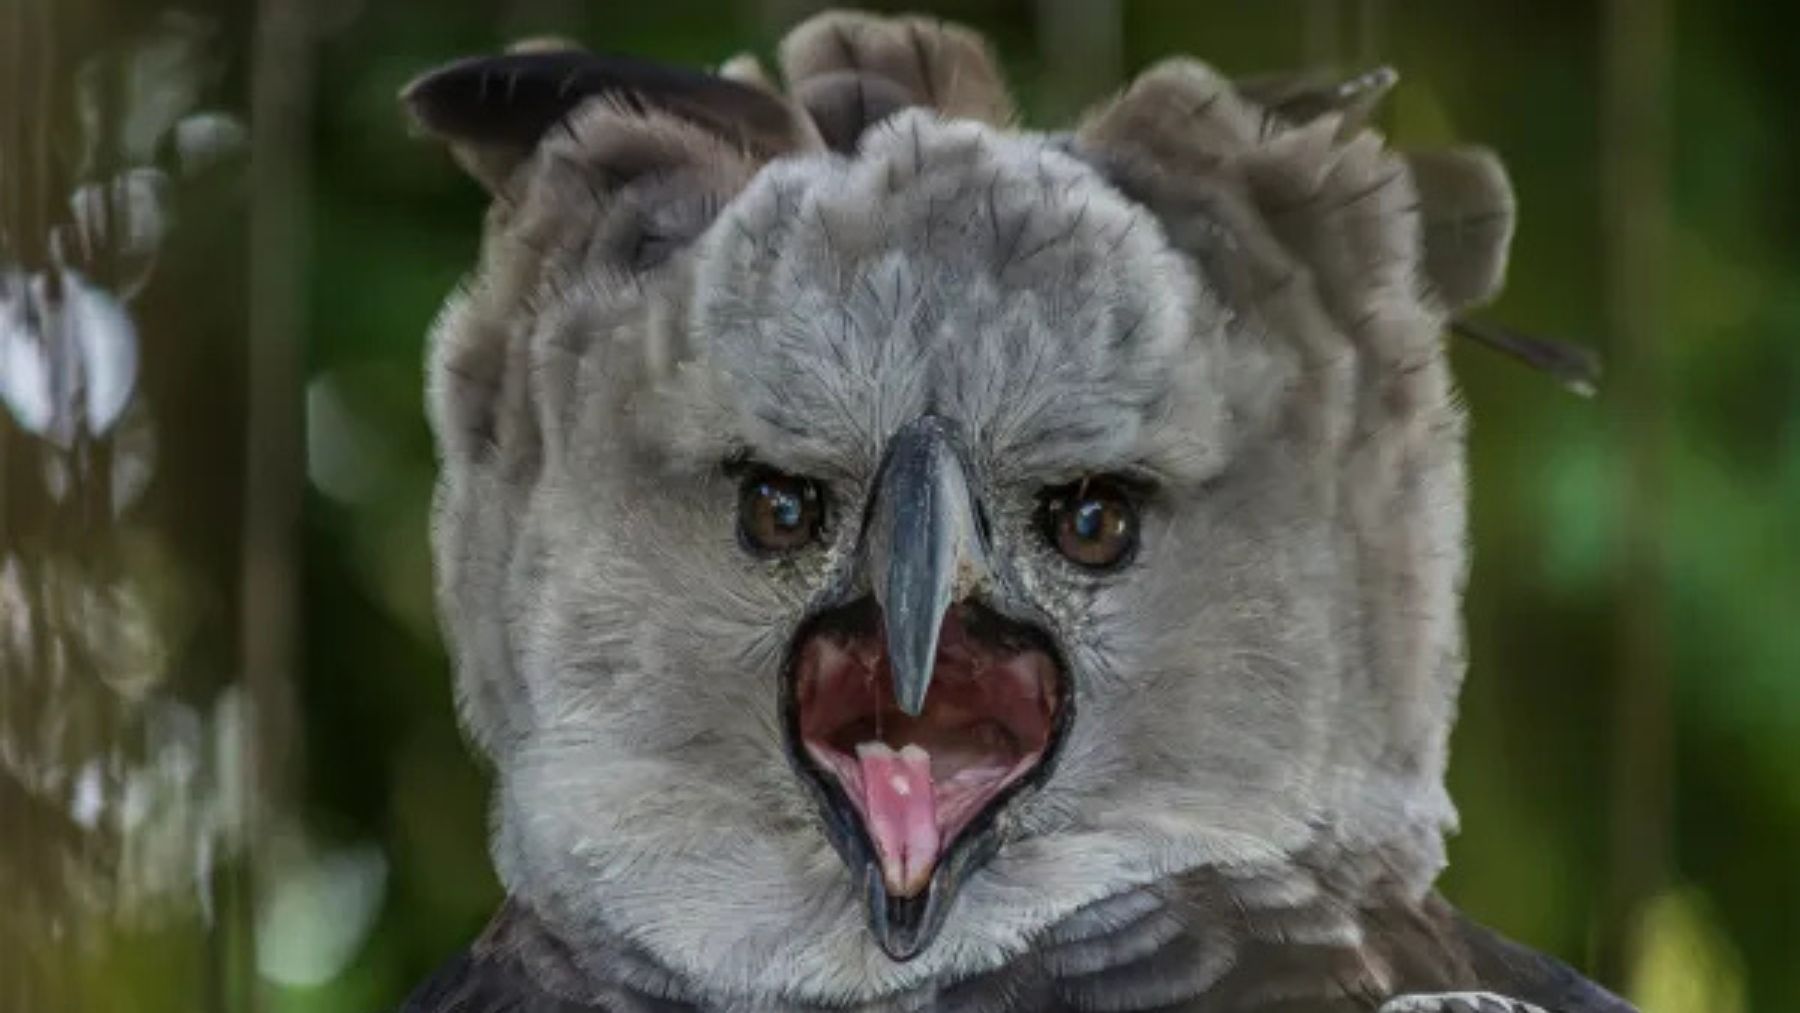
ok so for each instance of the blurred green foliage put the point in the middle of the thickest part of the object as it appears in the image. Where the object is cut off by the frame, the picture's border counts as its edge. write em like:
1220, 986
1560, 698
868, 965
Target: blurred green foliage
393, 226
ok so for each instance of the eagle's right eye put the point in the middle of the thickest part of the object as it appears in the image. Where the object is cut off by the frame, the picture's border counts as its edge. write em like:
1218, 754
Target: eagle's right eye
779, 513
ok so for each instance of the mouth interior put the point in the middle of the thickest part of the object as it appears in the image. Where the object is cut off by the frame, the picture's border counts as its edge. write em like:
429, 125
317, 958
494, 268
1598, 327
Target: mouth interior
916, 782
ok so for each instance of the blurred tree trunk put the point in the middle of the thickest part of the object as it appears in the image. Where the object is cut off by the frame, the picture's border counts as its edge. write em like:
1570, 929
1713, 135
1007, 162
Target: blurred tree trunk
123, 296
274, 452
1635, 193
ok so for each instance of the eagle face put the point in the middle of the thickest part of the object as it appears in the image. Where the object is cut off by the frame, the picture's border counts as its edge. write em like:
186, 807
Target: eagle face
929, 551
863, 552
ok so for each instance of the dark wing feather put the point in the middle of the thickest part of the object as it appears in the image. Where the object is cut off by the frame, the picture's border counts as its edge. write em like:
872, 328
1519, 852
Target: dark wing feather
468, 983
1505, 967
1435, 948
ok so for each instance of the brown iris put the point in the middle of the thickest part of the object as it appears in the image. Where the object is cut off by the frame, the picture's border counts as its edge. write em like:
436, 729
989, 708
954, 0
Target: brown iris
1091, 522
779, 513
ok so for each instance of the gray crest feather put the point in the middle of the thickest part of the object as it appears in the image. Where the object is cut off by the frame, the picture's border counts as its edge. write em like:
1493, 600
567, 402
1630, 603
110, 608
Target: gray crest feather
853, 70
1467, 208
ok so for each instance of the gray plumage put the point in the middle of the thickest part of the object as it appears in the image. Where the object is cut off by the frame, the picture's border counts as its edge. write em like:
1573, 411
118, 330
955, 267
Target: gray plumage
1241, 304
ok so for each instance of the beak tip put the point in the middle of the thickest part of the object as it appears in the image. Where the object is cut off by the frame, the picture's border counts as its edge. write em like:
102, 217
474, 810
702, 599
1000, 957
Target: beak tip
911, 706
913, 682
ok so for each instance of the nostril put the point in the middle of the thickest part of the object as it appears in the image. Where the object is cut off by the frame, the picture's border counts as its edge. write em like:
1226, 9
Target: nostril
984, 528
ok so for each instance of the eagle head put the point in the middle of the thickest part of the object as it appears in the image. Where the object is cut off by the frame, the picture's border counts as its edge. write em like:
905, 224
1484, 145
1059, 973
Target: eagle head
872, 534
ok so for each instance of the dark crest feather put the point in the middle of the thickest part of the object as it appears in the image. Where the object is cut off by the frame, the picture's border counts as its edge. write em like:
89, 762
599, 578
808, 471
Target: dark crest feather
1575, 367
1301, 98
503, 105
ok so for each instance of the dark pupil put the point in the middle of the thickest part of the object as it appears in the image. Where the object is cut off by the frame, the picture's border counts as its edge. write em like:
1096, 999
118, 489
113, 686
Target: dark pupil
1090, 520
785, 508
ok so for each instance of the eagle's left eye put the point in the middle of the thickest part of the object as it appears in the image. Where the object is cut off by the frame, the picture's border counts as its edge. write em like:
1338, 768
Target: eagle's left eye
779, 513
1092, 522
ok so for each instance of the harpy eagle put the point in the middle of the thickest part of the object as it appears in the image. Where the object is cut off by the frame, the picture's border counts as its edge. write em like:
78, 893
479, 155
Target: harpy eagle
897, 560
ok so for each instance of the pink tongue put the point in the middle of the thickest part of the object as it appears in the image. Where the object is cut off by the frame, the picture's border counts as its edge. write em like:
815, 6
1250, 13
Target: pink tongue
900, 804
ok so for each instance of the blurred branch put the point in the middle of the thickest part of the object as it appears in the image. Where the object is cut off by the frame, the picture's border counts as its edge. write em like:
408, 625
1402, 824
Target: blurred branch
1082, 50
1343, 36
1636, 47
28, 85
1321, 34
1371, 24
280, 117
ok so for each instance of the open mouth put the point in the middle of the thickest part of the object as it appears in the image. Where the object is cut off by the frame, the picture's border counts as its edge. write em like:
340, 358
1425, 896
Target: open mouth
914, 796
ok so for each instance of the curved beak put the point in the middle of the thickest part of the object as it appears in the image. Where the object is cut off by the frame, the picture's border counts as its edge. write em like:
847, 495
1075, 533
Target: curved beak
926, 550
